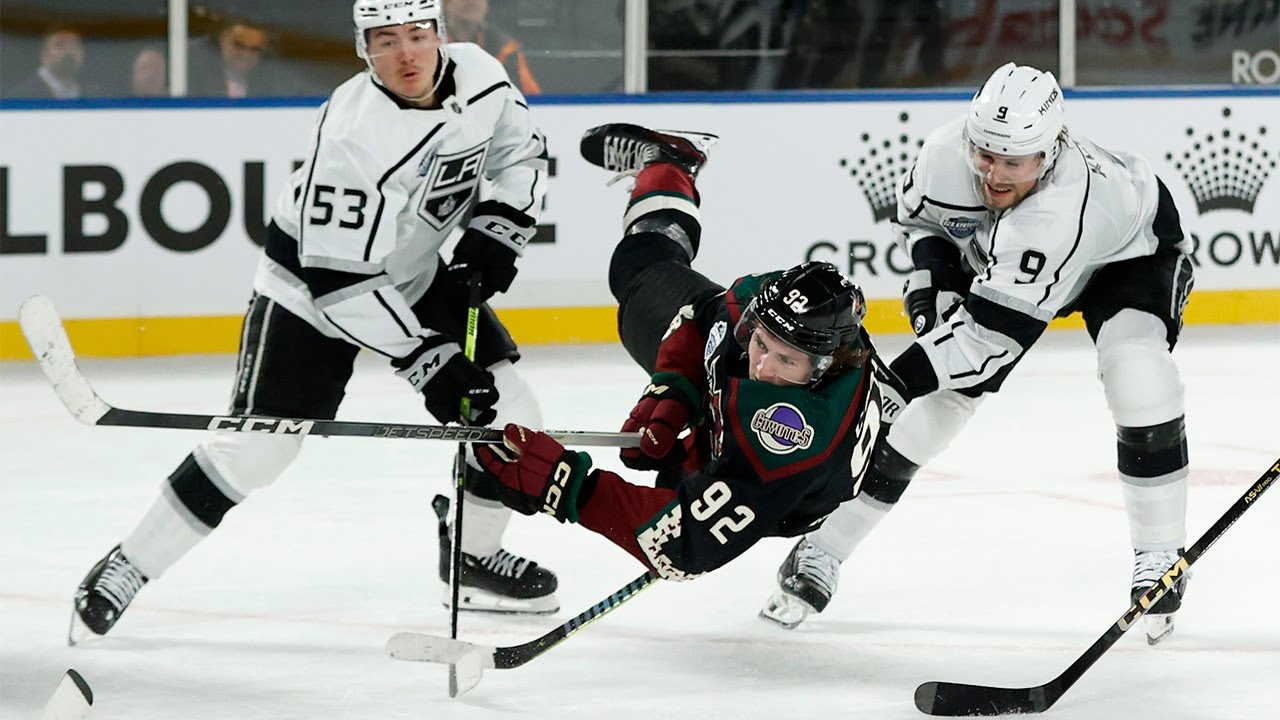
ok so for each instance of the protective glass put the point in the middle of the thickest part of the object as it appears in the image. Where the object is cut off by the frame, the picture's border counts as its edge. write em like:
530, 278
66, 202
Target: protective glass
1003, 169
423, 37
771, 356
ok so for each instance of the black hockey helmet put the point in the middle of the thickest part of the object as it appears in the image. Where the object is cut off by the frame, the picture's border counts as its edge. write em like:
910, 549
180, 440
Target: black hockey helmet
813, 308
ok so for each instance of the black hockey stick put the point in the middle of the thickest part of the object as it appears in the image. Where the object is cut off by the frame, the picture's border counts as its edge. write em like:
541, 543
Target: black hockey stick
955, 699
471, 660
460, 477
48, 340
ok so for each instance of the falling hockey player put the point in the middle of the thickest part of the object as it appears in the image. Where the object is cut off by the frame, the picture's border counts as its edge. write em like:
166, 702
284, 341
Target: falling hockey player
352, 262
1010, 221
772, 376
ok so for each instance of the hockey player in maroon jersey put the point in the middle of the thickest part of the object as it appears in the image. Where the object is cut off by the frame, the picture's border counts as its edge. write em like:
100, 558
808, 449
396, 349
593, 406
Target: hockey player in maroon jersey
772, 377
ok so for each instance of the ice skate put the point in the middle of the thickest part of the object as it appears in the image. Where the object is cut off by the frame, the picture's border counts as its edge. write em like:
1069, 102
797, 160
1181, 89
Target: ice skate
626, 149
806, 581
1148, 568
103, 596
501, 583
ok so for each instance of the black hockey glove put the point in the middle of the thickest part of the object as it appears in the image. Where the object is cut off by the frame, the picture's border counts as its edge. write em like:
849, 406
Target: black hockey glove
495, 237
444, 376
927, 304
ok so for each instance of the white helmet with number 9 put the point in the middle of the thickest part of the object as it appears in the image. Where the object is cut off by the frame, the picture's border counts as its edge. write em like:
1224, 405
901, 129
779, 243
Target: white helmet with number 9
1017, 112
369, 14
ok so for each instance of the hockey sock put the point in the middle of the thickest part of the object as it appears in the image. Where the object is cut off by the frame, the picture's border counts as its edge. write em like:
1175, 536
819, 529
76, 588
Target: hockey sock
483, 525
848, 526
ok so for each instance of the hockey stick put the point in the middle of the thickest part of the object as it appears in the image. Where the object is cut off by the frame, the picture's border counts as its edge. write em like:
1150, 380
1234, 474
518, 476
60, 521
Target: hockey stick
472, 659
460, 475
48, 340
955, 699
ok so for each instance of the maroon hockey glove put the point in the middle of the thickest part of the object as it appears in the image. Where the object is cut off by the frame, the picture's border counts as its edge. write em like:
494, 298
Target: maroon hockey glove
664, 411
438, 369
536, 473
495, 237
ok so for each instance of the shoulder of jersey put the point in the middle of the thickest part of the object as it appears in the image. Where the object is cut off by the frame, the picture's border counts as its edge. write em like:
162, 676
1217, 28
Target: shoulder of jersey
360, 115
476, 70
941, 172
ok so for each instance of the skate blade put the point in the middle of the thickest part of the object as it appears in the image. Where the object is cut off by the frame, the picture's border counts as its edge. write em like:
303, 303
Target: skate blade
1157, 627
785, 611
77, 631
476, 600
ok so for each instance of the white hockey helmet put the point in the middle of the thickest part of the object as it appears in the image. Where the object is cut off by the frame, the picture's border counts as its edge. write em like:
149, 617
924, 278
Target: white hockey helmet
1017, 112
369, 14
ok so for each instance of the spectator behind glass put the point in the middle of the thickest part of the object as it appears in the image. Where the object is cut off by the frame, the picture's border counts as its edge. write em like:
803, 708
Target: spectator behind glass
58, 77
466, 21
149, 77
230, 64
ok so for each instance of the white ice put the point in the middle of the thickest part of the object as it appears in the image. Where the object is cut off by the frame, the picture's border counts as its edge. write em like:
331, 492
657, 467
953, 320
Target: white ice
1005, 560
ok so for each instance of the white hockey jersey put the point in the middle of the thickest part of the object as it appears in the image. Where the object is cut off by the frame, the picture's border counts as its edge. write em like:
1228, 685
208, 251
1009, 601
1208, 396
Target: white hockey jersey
1031, 261
382, 188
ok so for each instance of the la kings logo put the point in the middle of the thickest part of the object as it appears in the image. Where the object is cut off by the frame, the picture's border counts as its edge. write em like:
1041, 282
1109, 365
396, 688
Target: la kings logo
449, 181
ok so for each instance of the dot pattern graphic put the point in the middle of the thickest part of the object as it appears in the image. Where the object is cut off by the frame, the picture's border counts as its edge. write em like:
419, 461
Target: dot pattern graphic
877, 165
1225, 168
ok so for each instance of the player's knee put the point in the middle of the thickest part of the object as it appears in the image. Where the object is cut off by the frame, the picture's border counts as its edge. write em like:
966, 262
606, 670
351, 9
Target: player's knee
928, 424
222, 471
244, 462
1141, 381
889, 475
516, 401
643, 248
1153, 452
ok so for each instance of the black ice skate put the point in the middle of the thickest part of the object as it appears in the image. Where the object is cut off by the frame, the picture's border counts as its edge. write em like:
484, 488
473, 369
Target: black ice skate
501, 582
104, 594
1149, 566
806, 581
626, 149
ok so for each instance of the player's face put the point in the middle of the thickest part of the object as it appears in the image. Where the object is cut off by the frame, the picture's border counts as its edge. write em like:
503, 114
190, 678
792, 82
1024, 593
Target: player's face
771, 360
405, 57
1005, 179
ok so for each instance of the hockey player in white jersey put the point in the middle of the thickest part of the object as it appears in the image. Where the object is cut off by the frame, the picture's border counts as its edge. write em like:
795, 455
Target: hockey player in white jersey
1011, 221
431, 138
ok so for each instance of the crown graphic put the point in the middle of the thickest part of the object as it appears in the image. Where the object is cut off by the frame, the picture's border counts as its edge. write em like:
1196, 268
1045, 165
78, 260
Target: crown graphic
1225, 168
877, 166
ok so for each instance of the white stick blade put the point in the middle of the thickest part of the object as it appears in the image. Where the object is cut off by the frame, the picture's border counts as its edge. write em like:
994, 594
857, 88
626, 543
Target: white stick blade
71, 700
44, 332
466, 673
417, 647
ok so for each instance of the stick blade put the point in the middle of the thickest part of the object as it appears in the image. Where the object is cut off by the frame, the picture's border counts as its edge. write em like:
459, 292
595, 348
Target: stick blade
44, 332
960, 700
466, 673
418, 647
71, 700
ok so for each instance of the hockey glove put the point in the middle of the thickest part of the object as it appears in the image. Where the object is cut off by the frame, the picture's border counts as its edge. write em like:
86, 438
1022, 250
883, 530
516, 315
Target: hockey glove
926, 303
664, 411
444, 376
495, 237
536, 473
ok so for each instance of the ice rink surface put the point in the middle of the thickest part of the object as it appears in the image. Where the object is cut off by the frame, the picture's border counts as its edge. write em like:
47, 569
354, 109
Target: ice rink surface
1004, 561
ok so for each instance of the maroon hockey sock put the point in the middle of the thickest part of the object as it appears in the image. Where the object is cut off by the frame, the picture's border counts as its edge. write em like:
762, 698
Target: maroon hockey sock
666, 179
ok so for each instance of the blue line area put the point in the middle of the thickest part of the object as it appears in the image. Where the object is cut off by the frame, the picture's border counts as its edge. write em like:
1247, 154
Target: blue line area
660, 98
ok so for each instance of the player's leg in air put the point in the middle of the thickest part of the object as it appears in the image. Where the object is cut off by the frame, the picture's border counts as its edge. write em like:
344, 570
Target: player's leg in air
1133, 310
650, 273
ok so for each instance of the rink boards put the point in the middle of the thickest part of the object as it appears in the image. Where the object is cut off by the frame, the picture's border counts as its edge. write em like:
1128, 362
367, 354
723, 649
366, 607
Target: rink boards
142, 221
